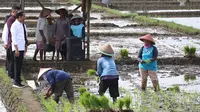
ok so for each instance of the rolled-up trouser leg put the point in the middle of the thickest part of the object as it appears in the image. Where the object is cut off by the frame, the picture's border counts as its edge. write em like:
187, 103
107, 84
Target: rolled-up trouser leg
144, 75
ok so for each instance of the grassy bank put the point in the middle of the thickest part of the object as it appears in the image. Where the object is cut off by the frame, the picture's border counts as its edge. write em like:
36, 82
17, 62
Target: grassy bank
146, 21
9, 95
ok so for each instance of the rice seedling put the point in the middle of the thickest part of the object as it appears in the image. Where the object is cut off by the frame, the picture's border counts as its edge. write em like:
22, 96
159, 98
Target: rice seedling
190, 51
94, 102
67, 105
82, 90
186, 77
124, 53
193, 77
174, 89
193, 50
84, 100
104, 102
189, 77
127, 102
120, 103
91, 72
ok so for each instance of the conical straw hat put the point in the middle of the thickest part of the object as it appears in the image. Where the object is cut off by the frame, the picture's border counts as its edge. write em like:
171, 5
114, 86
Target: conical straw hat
42, 71
148, 37
46, 11
106, 50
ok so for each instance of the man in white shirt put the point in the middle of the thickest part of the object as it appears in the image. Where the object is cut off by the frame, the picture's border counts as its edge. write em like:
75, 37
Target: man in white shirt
6, 37
19, 46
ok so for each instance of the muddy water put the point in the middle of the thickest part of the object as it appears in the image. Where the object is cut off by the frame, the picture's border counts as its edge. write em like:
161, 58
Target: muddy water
167, 46
2, 107
168, 76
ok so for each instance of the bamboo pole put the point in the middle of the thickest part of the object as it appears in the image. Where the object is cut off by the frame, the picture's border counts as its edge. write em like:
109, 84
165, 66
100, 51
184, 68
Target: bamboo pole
88, 28
40, 4
75, 9
22, 4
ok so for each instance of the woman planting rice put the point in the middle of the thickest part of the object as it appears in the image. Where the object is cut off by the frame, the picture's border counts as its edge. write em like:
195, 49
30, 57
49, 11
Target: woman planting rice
107, 71
147, 62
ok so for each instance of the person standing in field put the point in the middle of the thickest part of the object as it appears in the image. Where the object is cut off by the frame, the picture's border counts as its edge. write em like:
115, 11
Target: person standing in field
19, 46
107, 71
147, 58
62, 32
41, 33
50, 47
77, 28
6, 37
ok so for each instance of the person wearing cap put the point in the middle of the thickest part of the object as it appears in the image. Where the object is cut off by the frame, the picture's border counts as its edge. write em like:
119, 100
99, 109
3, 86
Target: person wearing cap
62, 32
59, 81
147, 58
41, 33
77, 28
107, 71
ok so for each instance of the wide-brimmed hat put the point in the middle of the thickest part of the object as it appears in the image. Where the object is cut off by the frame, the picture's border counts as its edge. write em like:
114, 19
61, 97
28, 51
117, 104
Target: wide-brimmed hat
61, 9
76, 17
148, 37
46, 11
42, 71
106, 50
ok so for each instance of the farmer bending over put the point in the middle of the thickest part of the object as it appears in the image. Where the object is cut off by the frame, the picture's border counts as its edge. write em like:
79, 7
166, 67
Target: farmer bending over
107, 71
148, 64
60, 81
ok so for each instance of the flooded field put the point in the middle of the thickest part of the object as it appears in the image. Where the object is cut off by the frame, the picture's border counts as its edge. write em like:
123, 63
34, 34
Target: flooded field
188, 21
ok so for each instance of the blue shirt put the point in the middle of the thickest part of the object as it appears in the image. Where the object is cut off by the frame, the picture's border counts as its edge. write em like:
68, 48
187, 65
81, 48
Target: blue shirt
106, 67
147, 53
77, 30
54, 76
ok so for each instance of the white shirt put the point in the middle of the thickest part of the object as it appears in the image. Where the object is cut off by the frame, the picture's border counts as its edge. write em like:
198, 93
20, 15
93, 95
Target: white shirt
41, 25
17, 32
5, 34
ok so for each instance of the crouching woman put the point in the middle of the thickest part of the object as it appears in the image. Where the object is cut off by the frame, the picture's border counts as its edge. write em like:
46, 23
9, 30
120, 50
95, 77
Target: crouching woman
147, 62
60, 81
106, 70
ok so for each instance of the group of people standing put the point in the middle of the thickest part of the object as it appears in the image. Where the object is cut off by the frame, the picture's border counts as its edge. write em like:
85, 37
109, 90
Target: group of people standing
15, 41
51, 34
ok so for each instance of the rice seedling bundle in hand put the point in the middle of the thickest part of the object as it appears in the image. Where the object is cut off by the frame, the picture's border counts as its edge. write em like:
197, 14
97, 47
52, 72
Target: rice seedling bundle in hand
91, 72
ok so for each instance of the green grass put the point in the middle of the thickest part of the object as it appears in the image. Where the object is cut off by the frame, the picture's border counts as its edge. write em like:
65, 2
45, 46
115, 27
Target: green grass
9, 94
146, 21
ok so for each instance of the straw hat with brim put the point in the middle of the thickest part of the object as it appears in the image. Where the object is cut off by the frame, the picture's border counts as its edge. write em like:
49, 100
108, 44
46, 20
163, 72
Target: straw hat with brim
106, 50
42, 71
76, 17
46, 11
148, 37
61, 9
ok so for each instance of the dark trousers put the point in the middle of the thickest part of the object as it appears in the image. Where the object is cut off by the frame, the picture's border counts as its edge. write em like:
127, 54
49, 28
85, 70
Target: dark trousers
18, 62
112, 84
10, 62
